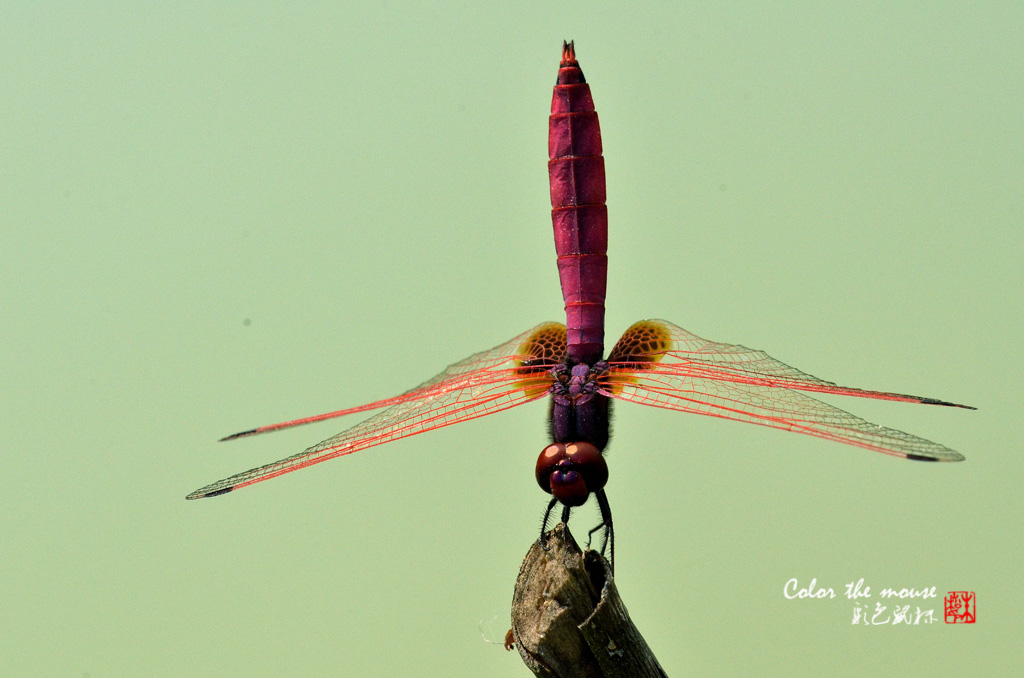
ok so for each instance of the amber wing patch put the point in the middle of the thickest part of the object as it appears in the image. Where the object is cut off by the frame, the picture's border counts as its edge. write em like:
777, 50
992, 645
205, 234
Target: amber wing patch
643, 344
542, 350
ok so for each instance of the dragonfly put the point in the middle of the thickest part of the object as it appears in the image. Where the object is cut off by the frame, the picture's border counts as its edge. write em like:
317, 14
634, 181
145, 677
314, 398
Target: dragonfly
654, 363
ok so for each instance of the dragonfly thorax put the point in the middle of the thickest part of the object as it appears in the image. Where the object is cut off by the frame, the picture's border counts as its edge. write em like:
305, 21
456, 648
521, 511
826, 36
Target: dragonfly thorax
576, 384
579, 411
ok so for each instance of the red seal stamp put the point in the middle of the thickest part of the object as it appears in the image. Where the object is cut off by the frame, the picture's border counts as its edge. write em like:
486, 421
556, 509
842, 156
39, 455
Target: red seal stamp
960, 607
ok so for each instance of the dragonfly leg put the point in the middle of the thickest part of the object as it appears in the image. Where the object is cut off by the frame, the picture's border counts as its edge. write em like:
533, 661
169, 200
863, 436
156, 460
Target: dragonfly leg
606, 523
544, 523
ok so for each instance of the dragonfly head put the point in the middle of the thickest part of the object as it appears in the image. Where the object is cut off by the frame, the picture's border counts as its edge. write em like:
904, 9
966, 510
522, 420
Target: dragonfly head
571, 471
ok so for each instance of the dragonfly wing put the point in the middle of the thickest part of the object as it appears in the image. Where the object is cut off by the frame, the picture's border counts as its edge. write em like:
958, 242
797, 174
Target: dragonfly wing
660, 364
511, 374
677, 351
543, 344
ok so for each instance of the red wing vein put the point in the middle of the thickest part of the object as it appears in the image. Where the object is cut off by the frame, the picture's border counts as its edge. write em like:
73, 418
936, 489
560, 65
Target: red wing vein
774, 407
692, 356
486, 382
464, 371
461, 403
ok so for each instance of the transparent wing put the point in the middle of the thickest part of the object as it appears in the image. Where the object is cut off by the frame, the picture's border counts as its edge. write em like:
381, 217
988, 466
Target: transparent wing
540, 345
511, 374
660, 364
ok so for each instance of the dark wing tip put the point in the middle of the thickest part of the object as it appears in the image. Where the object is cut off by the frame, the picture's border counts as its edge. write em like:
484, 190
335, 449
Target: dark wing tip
201, 494
239, 435
955, 456
936, 401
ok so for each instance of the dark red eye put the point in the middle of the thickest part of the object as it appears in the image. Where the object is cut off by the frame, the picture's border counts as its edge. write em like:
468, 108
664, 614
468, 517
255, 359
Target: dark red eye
571, 471
547, 462
588, 461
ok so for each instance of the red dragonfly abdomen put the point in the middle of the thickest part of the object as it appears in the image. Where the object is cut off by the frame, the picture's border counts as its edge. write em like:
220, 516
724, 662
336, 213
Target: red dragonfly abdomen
578, 211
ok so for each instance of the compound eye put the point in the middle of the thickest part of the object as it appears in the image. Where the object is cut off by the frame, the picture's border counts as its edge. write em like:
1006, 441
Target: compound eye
587, 459
547, 462
571, 471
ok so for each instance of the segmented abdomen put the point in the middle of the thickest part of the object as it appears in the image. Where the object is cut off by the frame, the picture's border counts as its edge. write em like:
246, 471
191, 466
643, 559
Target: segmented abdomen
578, 211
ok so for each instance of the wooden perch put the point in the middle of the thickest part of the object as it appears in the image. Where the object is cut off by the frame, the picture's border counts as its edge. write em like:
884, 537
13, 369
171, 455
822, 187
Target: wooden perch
568, 620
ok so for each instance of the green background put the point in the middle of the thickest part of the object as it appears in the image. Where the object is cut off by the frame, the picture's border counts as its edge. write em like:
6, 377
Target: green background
219, 216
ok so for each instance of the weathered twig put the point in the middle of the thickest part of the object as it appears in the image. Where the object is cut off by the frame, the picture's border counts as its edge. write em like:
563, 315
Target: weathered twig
568, 620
